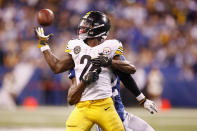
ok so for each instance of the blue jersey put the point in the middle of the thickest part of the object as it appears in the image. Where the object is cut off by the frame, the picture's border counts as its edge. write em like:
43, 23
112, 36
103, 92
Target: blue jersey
115, 91
117, 100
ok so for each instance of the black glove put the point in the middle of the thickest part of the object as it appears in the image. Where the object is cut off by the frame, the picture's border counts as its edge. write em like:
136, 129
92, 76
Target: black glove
92, 75
102, 61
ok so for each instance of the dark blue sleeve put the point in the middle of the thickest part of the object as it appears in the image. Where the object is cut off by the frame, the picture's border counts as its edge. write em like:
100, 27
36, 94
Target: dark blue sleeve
122, 58
71, 74
128, 80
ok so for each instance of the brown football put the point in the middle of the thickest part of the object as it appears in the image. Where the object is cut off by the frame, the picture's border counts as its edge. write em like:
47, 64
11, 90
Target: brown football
45, 17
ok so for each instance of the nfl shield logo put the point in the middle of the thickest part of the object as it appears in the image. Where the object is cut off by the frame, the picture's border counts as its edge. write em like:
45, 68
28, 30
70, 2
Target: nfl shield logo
77, 49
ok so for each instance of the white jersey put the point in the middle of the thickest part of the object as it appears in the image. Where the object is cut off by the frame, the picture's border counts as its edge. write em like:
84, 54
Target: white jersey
82, 54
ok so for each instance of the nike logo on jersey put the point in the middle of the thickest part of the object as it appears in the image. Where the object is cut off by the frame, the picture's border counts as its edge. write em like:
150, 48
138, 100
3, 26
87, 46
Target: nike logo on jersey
107, 108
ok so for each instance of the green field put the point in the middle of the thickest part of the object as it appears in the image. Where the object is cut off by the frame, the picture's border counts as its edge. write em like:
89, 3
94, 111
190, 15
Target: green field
53, 118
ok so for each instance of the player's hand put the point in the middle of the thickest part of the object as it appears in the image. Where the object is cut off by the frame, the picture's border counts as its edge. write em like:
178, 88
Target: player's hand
91, 76
150, 106
102, 61
43, 39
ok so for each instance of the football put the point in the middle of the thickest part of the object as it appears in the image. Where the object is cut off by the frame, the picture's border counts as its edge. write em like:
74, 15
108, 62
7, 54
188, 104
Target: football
45, 17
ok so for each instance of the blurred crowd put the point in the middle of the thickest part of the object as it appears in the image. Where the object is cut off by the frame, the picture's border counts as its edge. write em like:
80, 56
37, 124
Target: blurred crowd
159, 37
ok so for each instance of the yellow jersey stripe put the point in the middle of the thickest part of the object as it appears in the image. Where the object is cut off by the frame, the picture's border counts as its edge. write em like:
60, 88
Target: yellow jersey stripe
67, 50
119, 52
120, 48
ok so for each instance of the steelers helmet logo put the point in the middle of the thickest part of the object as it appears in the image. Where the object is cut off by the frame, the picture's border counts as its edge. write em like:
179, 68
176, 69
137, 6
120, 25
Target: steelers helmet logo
77, 49
106, 51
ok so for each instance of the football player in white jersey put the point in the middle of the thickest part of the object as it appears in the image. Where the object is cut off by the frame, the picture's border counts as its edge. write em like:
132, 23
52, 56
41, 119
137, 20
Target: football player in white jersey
130, 121
95, 105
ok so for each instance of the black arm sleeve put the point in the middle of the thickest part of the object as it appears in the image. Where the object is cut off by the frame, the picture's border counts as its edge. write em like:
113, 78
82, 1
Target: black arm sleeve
128, 82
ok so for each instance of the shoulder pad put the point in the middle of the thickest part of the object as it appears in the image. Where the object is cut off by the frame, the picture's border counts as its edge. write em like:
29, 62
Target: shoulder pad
116, 46
71, 44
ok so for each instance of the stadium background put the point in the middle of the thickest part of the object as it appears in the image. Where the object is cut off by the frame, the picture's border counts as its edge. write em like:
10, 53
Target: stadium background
159, 37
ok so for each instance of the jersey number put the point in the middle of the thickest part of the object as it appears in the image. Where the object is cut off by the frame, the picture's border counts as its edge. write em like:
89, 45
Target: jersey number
87, 65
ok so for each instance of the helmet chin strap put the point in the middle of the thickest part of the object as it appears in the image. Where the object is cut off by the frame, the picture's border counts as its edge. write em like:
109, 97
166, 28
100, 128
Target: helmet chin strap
104, 37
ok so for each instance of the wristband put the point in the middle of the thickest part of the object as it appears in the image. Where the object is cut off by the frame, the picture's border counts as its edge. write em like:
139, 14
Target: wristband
43, 48
140, 97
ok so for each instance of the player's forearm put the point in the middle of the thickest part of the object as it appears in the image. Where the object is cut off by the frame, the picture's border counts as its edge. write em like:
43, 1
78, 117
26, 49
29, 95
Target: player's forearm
51, 59
56, 65
75, 92
131, 85
123, 66
128, 82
